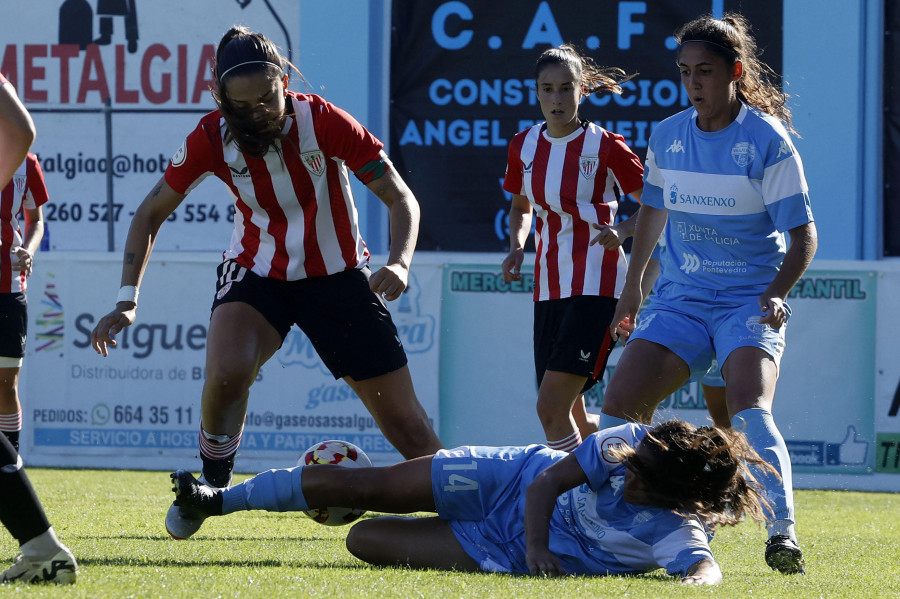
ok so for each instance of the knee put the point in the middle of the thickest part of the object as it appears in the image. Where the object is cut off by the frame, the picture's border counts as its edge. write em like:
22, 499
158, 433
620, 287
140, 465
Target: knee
361, 539
230, 377
551, 409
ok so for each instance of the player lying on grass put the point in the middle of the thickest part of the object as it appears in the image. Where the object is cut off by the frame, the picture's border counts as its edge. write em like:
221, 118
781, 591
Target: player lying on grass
629, 500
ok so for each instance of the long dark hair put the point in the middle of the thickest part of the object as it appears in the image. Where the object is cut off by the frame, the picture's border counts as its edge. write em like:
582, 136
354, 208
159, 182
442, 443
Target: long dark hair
730, 38
702, 471
242, 52
594, 79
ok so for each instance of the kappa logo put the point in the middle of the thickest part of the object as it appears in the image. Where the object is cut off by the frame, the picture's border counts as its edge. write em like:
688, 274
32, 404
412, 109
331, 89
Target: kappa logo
243, 173
588, 166
314, 162
676, 146
643, 323
180, 155
673, 194
784, 148
585, 355
691, 263
743, 153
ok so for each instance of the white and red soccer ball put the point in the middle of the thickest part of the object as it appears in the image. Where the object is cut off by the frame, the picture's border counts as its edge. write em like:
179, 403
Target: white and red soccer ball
337, 453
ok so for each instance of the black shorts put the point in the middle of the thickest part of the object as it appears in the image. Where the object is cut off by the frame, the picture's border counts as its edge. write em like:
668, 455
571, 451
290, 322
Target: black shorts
13, 324
347, 323
572, 335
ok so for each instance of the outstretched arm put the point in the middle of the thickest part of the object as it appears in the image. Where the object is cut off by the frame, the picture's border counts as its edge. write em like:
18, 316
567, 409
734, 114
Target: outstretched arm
391, 280
148, 218
540, 501
17, 132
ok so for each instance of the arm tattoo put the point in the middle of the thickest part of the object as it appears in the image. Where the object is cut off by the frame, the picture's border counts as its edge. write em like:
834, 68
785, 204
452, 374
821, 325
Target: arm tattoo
129, 258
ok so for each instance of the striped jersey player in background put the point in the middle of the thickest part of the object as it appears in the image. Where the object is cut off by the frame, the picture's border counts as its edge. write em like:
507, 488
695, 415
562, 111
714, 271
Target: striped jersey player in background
42, 557
25, 193
725, 184
570, 173
296, 255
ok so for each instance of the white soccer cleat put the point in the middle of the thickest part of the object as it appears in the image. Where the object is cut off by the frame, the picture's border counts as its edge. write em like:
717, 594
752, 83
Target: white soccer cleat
59, 569
182, 522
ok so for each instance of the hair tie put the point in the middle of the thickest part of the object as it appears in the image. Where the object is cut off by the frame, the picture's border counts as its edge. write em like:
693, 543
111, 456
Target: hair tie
222, 76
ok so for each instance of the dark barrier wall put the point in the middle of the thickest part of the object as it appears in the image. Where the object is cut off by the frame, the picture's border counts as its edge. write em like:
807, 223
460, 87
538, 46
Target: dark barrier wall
462, 85
892, 130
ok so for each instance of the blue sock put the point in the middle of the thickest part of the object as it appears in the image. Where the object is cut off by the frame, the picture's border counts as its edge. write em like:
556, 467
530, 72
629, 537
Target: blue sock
272, 490
764, 437
607, 421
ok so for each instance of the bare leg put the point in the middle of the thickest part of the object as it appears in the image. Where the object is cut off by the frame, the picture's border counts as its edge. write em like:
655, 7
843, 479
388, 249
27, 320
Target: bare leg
586, 422
9, 390
717, 406
556, 398
399, 489
646, 374
231, 368
392, 402
413, 542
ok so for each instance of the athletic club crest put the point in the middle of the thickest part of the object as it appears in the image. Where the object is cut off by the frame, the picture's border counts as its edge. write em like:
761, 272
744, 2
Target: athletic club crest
743, 153
314, 162
588, 166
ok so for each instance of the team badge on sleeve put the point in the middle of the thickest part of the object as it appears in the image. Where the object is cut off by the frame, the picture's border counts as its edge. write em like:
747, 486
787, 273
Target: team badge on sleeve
314, 162
180, 156
611, 443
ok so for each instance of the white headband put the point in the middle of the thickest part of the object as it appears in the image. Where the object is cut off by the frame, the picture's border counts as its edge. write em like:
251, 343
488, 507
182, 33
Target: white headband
222, 76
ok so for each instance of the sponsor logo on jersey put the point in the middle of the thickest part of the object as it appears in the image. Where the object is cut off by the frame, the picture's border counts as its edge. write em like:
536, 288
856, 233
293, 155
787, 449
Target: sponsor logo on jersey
314, 162
609, 444
784, 148
180, 155
691, 263
676, 146
527, 167
588, 166
743, 153
242, 173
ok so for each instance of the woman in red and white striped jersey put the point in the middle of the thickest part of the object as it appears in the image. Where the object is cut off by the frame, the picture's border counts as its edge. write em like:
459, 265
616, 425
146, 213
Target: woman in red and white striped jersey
570, 173
296, 254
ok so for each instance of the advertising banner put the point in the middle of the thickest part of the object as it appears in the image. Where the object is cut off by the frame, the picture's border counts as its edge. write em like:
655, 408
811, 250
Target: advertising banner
825, 404
462, 85
140, 406
152, 62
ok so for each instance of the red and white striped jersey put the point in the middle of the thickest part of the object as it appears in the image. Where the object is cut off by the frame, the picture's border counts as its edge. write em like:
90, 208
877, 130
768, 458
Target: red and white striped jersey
573, 182
294, 211
26, 190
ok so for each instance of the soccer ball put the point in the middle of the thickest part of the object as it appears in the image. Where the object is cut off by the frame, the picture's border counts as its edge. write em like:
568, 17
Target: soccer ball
340, 453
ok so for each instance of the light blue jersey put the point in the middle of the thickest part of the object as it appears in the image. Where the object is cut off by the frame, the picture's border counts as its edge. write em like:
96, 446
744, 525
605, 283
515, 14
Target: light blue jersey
730, 195
593, 530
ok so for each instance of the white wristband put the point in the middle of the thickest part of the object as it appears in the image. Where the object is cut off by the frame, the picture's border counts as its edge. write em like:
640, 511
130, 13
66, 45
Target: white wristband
128, 293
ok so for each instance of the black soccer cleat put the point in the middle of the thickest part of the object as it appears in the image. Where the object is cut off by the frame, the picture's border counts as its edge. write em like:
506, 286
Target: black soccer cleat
784, 555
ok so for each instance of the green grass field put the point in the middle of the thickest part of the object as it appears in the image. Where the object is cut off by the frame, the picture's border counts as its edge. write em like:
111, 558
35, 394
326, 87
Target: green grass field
113, 522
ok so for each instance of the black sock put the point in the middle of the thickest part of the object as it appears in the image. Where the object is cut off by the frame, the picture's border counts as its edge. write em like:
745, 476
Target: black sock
217, 472
20, 510
13, 437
